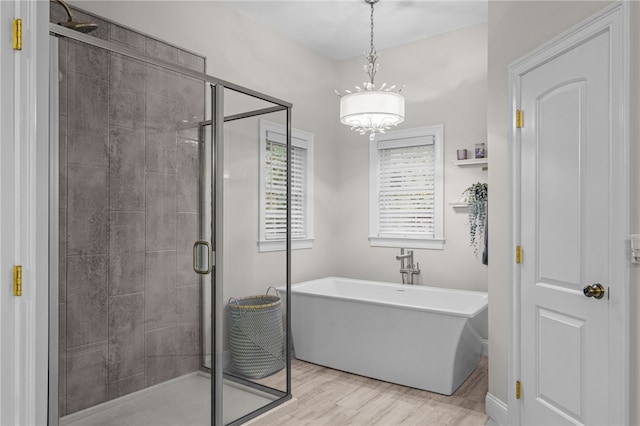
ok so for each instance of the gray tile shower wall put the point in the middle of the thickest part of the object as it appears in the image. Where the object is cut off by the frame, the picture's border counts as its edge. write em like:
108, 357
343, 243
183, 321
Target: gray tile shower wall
129, 175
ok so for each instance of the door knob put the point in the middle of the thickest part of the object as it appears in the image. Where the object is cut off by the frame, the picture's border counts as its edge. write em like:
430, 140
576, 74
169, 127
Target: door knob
594, 290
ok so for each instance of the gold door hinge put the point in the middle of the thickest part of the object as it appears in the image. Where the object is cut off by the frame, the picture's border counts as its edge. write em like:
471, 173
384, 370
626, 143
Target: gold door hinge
519, 119
17, 34
518, 254
17, 280
518, 389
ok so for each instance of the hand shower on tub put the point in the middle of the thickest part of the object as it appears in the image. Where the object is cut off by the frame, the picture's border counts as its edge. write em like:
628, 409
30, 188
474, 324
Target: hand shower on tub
409, 270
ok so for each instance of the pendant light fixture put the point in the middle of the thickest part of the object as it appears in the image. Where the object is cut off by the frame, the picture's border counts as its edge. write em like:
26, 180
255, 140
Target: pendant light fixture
369, 109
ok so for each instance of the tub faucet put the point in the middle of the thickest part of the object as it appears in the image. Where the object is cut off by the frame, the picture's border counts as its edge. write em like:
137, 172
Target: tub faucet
407, 270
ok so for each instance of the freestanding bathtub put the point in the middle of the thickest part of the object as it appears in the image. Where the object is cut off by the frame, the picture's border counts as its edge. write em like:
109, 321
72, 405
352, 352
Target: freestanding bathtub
424, 337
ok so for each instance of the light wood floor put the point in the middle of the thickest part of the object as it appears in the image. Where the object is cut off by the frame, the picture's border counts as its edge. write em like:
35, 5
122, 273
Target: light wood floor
336, 398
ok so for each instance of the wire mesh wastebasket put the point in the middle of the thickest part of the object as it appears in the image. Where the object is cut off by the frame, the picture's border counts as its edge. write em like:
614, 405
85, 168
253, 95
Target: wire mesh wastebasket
256, 335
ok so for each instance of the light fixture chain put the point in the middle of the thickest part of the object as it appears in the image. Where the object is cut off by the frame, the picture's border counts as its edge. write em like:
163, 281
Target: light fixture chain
371, 68
372, 49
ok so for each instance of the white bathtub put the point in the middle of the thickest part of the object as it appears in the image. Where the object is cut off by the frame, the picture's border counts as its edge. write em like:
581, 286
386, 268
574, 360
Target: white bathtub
424, 337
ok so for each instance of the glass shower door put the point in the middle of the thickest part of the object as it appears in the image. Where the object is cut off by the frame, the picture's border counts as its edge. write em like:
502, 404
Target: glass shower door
238, 321
205, 256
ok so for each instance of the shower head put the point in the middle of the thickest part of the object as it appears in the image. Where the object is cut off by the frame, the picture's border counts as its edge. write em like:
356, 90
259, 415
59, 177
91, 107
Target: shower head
83, 27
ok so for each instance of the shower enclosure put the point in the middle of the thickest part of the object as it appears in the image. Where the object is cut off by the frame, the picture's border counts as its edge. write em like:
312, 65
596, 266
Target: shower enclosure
157, 176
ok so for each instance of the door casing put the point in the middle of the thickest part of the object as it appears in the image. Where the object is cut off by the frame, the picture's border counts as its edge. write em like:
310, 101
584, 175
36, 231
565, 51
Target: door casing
615, 20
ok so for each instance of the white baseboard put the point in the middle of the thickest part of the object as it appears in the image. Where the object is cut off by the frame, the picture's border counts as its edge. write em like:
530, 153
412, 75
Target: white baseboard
496, 410
485, 347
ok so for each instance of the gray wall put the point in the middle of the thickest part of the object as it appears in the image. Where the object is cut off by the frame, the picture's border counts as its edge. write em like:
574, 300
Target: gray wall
245, 52
442, 88
129, 300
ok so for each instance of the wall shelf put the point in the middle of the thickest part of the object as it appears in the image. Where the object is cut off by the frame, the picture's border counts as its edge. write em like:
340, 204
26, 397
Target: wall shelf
477, 162
472, 162
459, 205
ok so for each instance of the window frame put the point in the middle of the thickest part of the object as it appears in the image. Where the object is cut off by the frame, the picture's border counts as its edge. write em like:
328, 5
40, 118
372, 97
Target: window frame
299, 139
399, 139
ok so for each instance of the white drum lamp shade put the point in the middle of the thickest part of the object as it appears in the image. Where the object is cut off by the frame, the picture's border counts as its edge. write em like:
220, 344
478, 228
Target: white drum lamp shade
372, 110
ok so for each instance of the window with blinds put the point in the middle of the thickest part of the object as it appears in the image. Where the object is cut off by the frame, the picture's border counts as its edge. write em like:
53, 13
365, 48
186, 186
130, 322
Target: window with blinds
273, 187
276, 191
406, 181
406, 189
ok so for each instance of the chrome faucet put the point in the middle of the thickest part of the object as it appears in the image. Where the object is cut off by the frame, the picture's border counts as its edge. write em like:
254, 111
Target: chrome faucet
407, 270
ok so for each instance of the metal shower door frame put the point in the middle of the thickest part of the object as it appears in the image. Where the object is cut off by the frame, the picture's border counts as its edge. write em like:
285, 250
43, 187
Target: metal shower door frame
217, 139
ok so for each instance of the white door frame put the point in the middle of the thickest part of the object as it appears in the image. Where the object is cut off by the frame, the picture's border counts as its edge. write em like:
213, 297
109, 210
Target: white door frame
615, 20
24, 210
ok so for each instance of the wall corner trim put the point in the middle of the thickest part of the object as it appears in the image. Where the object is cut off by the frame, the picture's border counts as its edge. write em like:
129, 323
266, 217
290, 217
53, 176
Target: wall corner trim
496, 410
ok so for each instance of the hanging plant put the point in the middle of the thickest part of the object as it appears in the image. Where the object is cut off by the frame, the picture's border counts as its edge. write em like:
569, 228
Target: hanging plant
476, 196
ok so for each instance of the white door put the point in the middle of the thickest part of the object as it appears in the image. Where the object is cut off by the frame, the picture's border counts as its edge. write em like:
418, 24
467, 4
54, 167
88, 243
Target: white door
567, 214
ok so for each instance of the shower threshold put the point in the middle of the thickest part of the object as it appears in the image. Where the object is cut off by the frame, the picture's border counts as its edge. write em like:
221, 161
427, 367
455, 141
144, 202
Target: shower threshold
184, 401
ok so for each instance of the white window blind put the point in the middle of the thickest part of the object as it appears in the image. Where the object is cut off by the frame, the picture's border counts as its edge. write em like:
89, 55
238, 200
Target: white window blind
272, 230
406, 191
276, 190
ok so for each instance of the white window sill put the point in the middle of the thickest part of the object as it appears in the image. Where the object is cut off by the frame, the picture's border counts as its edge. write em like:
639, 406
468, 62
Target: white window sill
279, 245
412, 243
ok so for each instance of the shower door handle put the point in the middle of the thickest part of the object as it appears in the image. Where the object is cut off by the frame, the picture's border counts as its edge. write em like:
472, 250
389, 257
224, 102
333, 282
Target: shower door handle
202, 257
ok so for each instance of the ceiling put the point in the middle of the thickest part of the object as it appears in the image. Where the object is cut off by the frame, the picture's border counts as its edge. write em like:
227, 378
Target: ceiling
340, 29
